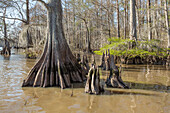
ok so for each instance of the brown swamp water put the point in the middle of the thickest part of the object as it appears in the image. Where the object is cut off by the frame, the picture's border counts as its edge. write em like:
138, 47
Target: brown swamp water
149, 93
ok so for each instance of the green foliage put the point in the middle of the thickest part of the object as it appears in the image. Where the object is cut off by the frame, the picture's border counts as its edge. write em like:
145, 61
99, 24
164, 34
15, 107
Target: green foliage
120, 47
31, 54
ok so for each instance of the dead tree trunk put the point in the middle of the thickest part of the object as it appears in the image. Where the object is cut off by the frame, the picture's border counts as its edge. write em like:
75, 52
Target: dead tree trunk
102, 62
6, 50
116, 80
57, 65
85, 64
93, 81
105, 63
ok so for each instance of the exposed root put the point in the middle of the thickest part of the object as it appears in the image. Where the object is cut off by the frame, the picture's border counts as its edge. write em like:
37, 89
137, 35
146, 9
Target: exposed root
50, 71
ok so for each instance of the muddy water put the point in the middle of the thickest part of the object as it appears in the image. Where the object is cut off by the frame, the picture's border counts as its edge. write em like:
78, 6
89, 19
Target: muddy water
150, 92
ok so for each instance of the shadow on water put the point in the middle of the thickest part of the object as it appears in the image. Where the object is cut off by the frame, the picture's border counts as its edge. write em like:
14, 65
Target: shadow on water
138, 68
6, 57
133, 87
152, 87
126, 92
136, 89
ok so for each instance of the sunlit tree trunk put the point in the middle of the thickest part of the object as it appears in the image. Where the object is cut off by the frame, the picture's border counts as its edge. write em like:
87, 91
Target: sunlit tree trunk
125, 18
101, 26
167, 22
133, 33
155, 19
139, 18
149, 19
118, 25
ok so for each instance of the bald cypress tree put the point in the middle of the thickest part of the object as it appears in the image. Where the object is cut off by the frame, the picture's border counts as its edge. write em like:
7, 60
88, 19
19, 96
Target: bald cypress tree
57, 65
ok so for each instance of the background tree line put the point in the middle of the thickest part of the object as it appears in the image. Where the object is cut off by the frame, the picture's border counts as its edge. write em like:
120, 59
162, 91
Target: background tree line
97, 20
89, 23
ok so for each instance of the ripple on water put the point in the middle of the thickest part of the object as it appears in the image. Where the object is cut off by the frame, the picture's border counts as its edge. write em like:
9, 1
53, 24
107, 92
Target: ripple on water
14, 98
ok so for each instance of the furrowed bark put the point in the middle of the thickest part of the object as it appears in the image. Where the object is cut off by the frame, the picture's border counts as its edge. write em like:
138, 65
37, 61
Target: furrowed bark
57, 65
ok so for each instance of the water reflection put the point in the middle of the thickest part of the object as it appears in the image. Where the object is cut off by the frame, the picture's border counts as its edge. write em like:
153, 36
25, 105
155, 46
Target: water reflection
154, 87
6, 57
150, 91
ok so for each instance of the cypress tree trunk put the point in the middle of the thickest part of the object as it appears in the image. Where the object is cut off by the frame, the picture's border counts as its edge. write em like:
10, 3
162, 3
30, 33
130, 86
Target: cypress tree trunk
149, 20
6, 50
118, 26
133, 33
125, 3
57, 65
27, 11
167, 22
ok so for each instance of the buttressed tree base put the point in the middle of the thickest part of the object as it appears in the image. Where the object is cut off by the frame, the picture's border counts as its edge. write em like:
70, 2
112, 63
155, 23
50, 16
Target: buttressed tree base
57, 65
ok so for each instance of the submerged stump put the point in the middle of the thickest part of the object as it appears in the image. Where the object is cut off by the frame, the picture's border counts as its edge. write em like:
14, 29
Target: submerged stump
115, 80
105, 61
6, 51
93, 81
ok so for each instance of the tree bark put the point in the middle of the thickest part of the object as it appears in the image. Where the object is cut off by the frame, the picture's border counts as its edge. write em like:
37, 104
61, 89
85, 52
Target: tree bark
88, 45
27, 12
102, 61
149, 20
125, 3
6, 50
85, 64
93, 81
74, 27
116, 80
133, 33
57, 65
105, 63
167, 22
155, 19
118, 25
139, 12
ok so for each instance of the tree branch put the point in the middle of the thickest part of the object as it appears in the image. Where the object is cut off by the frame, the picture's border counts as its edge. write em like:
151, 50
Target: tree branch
13, 18
41, 1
